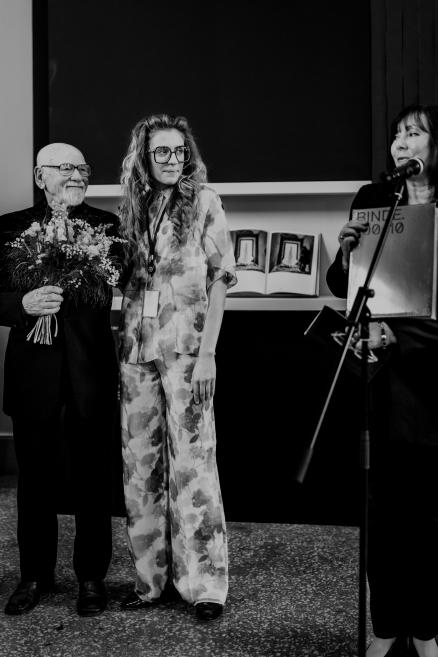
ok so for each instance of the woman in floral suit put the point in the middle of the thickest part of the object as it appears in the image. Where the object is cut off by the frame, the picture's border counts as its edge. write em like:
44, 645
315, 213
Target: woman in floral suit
179, 264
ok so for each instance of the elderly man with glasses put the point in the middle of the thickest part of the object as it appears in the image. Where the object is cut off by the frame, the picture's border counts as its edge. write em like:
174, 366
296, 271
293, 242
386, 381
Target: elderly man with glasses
71, 385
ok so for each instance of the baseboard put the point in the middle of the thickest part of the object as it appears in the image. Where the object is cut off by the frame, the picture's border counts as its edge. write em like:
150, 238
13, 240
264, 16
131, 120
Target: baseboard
8, 462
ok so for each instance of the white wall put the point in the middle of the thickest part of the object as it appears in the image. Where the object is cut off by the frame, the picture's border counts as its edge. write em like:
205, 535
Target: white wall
16, 134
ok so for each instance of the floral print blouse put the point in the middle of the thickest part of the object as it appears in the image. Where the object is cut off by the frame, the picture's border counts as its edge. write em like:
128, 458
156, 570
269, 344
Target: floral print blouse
184, 273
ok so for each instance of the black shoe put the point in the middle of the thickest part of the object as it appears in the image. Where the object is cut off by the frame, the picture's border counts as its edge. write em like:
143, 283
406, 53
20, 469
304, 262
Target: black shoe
92, 598
208, 610
133, 601
26, 596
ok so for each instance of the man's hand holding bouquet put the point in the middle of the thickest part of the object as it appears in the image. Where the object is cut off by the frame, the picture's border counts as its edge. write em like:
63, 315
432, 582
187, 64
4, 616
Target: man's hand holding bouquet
64, 254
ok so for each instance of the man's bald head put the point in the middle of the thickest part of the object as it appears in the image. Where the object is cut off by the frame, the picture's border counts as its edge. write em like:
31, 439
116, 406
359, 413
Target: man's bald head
65, 188
58, 153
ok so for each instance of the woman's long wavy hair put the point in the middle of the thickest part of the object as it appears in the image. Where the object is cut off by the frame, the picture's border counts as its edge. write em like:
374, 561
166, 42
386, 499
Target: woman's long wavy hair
420, 113
139, 186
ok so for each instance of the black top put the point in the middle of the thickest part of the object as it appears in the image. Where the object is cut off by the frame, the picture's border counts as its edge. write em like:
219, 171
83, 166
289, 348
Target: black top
404, 391
81, 360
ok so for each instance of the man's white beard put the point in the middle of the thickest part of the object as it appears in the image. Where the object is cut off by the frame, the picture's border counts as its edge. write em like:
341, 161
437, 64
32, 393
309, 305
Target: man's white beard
73, 196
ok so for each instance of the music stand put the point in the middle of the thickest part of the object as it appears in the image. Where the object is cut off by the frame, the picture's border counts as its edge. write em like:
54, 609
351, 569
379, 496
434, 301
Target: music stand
358, 319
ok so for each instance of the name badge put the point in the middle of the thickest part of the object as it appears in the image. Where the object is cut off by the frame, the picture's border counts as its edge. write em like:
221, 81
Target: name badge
150, 303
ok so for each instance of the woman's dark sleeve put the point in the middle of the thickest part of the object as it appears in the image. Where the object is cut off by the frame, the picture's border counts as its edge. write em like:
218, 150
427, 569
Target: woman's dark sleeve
336, 277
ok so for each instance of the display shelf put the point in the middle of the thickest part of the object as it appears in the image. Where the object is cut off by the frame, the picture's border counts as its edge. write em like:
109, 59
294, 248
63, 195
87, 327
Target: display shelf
272, 303
303, 188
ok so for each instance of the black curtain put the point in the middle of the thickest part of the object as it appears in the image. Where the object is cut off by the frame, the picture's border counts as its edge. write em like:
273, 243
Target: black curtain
404, 65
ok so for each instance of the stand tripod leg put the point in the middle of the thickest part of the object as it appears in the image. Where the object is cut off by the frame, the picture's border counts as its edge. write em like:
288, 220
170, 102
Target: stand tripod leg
363, 544
364, 489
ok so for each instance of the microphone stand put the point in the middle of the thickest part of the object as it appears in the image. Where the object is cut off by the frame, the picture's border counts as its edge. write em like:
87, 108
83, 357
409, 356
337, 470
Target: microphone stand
358, 319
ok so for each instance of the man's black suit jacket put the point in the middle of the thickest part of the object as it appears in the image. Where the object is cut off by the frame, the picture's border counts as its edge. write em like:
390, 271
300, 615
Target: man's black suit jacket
80, 365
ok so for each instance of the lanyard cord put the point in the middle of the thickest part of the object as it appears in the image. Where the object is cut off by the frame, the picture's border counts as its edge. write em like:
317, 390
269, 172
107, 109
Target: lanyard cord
152, 240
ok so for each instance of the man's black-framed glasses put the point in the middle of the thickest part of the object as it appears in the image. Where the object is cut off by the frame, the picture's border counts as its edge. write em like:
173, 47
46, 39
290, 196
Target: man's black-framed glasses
162, 154
67, 168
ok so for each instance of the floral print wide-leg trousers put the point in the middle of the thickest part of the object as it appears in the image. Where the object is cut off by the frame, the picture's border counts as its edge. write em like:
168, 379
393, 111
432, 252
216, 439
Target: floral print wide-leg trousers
176, 524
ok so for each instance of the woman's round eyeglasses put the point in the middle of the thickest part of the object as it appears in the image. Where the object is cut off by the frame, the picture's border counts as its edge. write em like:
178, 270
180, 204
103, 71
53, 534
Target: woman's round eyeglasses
162, 154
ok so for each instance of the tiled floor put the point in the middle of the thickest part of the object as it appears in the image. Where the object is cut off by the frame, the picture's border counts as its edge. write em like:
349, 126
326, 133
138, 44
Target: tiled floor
293, 593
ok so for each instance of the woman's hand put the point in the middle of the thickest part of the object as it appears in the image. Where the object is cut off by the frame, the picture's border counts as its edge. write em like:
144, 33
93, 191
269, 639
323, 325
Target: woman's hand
204, 378
43, 301
380, 336
349, 237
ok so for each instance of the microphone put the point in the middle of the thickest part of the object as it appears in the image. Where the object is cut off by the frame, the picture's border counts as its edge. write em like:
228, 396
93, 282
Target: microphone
412, 167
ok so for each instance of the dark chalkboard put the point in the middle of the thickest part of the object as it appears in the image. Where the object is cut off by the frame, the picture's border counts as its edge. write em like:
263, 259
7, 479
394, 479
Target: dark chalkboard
274, 91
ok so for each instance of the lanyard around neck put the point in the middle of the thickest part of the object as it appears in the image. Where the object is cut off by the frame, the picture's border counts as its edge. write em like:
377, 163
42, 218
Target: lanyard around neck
152, 239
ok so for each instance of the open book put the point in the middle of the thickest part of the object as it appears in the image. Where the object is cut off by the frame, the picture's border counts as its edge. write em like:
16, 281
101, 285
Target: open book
405, 279
276, 263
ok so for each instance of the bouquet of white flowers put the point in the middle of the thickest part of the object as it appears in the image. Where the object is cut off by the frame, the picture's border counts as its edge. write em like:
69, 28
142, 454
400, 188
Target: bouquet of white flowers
68, 252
